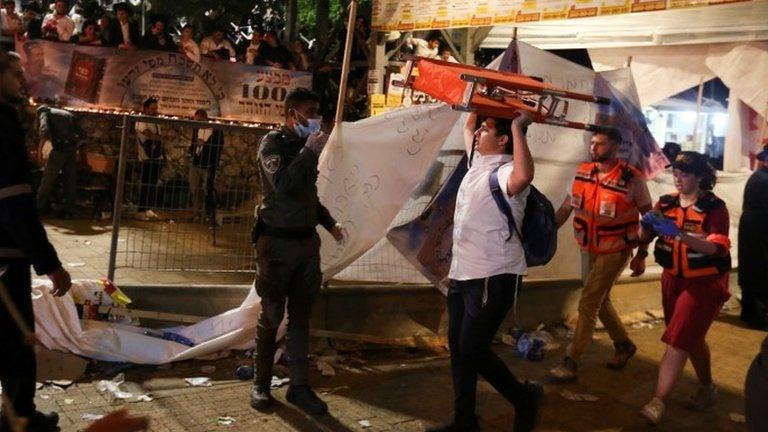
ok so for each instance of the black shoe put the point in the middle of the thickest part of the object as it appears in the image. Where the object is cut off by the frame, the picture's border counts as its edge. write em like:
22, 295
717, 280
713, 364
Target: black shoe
624, 352
261, 398
458, 425
306, 400
527, 410
43, 422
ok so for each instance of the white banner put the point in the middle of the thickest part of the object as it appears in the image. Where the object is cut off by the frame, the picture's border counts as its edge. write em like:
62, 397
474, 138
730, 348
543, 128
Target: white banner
369, 169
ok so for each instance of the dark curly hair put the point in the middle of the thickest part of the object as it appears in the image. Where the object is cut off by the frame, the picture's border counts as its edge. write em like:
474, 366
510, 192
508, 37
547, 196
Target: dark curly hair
697, 164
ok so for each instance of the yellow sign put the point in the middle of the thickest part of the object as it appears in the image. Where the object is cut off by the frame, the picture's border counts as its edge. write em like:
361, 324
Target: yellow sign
438, 14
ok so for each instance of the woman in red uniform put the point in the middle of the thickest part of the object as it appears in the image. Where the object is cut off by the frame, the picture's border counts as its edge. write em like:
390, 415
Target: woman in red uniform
693, 248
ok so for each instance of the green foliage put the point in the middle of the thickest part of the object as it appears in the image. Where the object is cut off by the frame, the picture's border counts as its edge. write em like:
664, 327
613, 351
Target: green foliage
242, 11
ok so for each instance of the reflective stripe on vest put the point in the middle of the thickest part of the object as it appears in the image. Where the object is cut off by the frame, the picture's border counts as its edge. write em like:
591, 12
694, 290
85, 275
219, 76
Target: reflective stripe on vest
675, 255
605, 221
12, 253
12, 191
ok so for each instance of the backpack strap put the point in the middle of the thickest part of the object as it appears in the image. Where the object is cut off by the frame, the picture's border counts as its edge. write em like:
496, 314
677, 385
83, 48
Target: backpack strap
501, 203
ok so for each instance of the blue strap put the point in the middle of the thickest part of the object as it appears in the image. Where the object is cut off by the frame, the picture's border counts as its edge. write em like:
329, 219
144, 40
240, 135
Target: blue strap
501, 203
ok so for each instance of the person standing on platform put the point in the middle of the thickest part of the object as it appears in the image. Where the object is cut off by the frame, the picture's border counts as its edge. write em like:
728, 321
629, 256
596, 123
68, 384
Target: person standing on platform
204, 153
62, 129
151, 158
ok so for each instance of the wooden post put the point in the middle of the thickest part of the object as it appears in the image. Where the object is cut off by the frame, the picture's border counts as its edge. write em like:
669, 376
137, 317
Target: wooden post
345, 63
699, 99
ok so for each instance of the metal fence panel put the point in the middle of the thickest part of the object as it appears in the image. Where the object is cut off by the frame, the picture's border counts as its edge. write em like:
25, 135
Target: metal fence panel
185, 196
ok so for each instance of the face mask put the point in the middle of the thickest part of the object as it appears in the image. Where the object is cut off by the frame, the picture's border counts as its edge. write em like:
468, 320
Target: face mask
313, 125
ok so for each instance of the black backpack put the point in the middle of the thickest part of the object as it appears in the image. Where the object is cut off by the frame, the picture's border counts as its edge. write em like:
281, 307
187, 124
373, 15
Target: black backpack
539, 233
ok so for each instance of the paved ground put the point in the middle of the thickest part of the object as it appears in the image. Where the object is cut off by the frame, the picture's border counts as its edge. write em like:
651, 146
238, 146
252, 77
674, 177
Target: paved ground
397, 390
84, 246
394, 390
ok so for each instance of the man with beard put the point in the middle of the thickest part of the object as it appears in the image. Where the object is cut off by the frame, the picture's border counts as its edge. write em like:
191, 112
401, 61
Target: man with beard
22, 242
607, 197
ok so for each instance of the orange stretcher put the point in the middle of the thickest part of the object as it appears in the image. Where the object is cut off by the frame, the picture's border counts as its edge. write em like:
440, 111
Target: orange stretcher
493, 93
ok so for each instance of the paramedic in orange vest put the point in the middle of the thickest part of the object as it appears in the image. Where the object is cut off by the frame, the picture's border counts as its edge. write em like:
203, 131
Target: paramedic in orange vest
607, 197
693, 246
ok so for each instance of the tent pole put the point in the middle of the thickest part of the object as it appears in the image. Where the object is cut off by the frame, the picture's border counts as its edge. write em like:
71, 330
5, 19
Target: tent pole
699, 98
345, 64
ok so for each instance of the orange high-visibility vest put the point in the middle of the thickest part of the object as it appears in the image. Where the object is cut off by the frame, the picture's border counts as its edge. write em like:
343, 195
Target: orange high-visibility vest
605, 220
677, 257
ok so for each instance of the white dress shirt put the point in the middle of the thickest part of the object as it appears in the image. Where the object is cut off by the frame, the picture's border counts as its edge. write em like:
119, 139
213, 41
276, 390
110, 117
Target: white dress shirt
65, 27
480, 230
208, 45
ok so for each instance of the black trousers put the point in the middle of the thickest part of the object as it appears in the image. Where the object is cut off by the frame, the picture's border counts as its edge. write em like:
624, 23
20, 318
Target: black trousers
756, 392
753, 269
288, 272
476, 309
150, 174
17, 359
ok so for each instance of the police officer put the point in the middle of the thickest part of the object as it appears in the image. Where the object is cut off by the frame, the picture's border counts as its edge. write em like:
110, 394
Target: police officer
22, 242
288, 247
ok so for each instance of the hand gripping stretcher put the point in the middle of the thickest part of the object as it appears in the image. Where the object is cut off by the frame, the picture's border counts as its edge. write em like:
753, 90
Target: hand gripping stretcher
493, 93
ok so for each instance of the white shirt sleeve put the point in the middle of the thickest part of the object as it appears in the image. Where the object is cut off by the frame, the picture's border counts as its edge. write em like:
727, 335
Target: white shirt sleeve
504, 172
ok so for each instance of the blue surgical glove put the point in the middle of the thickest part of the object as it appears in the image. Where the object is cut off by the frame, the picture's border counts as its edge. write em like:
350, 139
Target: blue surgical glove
666, 228
647, 221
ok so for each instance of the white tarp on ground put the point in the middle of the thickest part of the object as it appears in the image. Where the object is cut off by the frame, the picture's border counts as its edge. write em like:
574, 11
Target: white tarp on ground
58, 327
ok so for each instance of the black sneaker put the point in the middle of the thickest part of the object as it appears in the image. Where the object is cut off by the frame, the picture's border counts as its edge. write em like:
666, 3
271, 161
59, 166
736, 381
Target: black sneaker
306, 400
457, 425
527, 410
261, 398
44, 422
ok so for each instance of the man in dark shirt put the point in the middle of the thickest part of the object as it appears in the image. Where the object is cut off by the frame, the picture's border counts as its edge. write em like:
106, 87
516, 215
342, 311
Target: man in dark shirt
274, 54
288, 247
22, 242
61, 129
205, 153
157, 38
33, 20
753, 247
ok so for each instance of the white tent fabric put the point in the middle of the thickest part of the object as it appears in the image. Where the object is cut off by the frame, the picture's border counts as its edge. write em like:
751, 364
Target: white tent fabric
58, 327
661, 72
368, 171
744, 69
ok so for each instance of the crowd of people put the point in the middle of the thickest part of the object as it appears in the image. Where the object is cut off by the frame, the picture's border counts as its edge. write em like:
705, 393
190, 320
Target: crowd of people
119, 29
